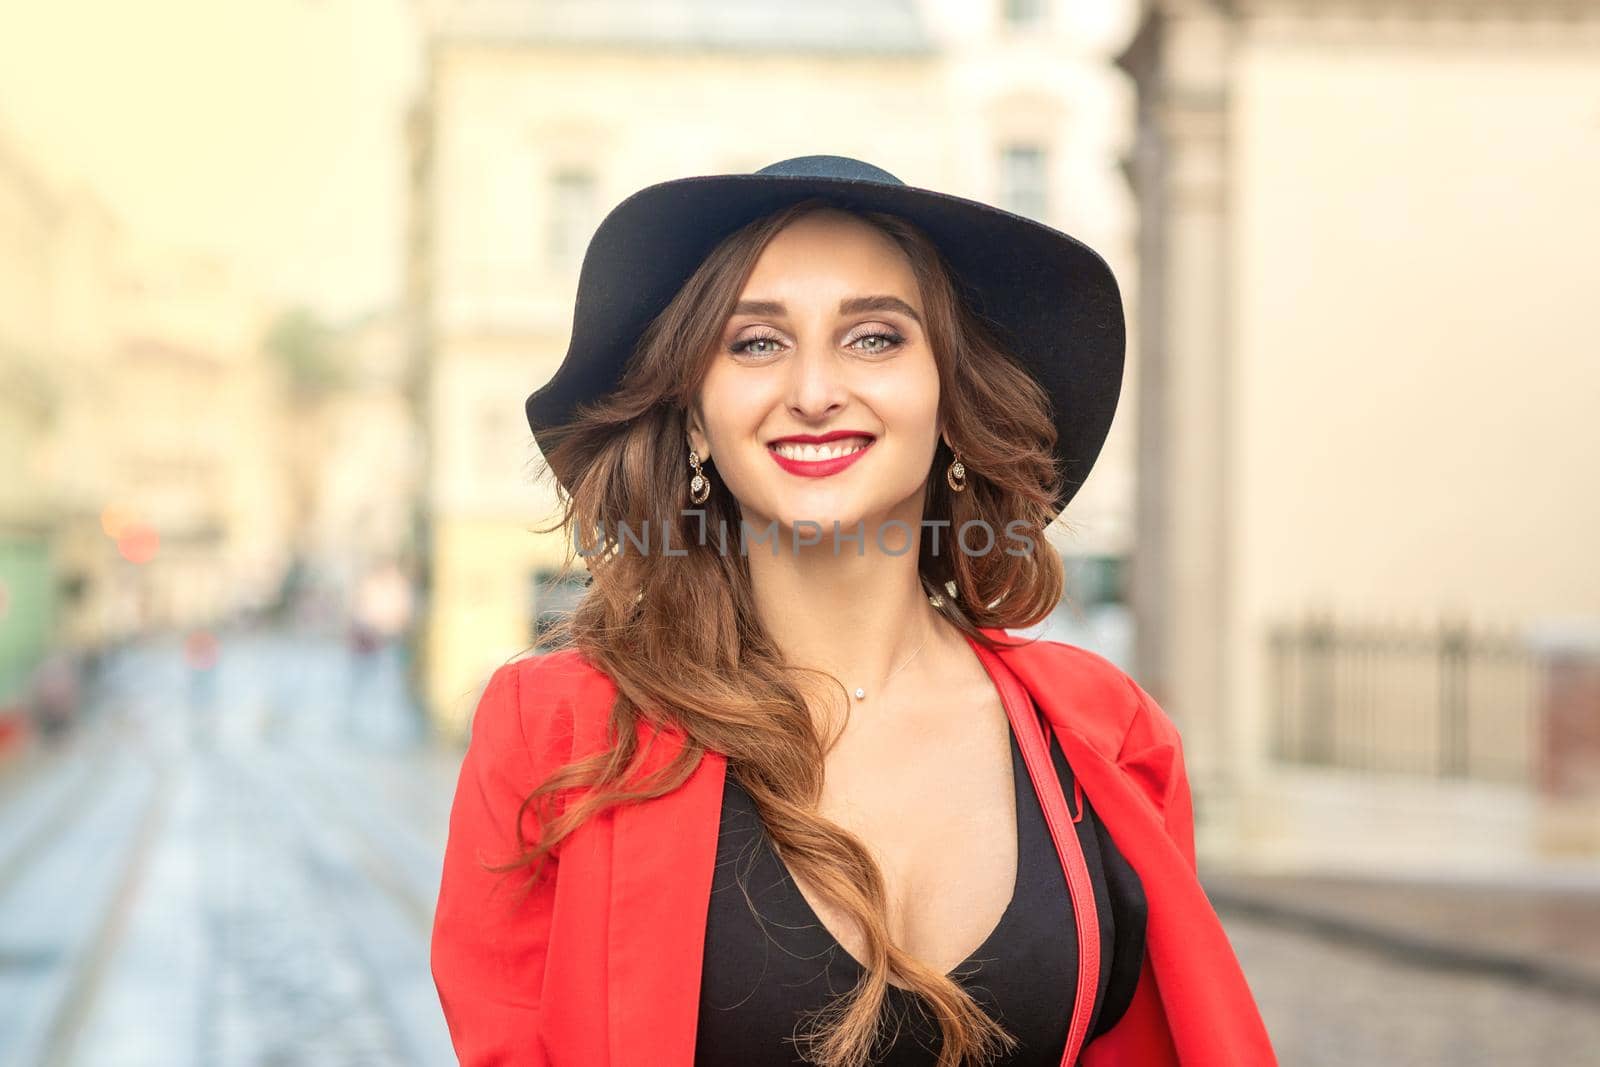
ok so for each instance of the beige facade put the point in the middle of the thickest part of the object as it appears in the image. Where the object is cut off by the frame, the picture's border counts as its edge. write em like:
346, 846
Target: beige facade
29, 601
161, 411
193, 405
527, 133
28, 221
1372, 227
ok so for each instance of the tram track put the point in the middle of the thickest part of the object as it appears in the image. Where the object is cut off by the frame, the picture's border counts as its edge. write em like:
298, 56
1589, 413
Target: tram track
70, 871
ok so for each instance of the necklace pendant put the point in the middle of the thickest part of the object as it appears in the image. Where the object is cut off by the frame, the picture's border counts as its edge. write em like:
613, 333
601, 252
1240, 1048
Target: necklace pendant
861, 694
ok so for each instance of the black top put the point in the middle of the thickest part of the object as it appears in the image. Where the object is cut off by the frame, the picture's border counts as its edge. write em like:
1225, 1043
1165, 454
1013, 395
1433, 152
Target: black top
759, 977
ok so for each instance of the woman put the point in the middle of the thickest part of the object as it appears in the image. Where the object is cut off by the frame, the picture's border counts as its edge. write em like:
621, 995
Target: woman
786, 792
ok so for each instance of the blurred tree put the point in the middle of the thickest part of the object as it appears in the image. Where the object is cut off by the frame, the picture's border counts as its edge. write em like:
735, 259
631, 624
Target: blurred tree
314, 363
309, 352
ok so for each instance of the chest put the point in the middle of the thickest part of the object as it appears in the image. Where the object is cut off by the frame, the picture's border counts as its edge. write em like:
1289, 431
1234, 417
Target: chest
934, 801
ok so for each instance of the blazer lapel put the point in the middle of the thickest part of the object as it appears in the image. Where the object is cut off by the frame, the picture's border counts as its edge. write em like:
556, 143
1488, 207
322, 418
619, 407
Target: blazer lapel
665, 852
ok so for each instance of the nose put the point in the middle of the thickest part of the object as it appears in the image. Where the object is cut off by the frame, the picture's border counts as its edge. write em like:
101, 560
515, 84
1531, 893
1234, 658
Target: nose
816, 386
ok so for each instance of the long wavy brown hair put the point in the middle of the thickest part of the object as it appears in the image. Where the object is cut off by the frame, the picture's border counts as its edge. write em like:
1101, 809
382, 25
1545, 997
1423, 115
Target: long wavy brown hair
680, 636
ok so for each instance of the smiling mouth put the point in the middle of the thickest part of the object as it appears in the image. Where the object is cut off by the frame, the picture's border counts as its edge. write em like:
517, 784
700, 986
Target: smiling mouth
806, 453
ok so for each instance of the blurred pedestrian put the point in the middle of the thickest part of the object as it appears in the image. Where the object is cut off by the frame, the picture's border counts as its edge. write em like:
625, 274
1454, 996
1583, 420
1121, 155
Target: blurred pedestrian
57, 691
201, 654
380, 614
384, 602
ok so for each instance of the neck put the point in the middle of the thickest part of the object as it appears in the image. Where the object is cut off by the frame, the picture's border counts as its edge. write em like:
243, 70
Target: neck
862, 619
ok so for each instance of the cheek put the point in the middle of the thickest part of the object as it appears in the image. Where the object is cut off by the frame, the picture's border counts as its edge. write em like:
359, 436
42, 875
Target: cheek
732, 408
910, 402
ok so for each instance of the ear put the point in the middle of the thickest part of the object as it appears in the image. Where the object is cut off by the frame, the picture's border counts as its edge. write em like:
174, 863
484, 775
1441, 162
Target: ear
697, 435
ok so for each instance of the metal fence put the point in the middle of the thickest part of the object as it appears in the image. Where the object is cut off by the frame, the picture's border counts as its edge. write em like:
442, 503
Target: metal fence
1442, 701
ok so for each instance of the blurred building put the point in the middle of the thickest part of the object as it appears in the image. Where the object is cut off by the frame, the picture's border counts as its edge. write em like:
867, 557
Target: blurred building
536, 119
144, 419
28, 408
1368, 465
182, 432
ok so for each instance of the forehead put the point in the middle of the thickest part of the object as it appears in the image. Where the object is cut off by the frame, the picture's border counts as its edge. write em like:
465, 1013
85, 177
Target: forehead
830, 254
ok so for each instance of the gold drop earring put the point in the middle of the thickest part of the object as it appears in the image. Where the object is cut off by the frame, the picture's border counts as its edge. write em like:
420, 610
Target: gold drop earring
956, 474
699, 485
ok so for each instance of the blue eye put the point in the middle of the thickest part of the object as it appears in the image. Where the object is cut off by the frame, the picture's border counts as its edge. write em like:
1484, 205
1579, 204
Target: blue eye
890, 340
743, 347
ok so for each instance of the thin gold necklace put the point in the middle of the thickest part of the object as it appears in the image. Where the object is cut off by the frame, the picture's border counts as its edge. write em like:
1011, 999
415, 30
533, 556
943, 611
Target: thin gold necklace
861, 693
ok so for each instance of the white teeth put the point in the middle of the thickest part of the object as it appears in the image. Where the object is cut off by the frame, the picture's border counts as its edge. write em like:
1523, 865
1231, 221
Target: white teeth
814, 453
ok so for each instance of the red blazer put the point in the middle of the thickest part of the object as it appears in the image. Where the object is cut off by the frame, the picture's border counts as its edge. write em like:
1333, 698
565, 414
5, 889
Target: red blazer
599, 965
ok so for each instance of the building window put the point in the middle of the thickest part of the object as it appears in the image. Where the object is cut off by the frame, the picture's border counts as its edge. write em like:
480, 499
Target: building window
554, 598
572, 201
1093, 581
1023, 12
1024, 184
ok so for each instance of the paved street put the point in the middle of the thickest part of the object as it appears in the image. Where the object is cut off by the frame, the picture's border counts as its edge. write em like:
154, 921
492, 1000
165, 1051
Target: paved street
1329, 1004
1413, 971
238, 867
226, 870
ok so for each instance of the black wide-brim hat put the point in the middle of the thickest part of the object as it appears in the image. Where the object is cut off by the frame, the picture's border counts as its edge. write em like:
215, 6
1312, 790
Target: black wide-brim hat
1050, 298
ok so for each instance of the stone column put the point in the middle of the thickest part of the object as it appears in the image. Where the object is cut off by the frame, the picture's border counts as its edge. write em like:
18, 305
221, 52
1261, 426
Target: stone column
1181, 570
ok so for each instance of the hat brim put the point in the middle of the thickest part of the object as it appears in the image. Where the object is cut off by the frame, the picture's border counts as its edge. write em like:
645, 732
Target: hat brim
1051, 299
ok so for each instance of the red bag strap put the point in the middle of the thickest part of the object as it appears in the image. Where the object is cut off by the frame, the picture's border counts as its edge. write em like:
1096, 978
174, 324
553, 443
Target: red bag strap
1020, 708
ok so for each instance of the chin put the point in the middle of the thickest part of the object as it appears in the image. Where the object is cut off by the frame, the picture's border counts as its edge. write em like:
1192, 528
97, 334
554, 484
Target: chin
849, 506
824, 510
869, 518
793, 514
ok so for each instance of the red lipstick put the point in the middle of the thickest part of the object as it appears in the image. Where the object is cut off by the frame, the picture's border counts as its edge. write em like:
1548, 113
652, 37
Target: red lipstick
818, 468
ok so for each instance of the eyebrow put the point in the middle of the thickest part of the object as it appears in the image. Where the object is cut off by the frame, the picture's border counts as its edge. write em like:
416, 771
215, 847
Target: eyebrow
848, 306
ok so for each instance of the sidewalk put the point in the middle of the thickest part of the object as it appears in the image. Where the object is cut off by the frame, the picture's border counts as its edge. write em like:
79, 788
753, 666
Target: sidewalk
1543, 931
